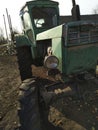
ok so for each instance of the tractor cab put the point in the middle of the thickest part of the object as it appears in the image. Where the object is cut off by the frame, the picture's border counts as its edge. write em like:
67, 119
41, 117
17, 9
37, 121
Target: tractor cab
39, 15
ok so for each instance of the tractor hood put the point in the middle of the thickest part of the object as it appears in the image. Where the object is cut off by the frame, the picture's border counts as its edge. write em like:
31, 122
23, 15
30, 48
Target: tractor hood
79, 56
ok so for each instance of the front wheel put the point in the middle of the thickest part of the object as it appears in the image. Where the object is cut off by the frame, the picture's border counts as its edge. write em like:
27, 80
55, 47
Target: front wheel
28, 112
24, 57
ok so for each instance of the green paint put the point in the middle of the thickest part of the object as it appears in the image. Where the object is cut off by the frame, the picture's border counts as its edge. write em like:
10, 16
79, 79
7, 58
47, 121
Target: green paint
75, 43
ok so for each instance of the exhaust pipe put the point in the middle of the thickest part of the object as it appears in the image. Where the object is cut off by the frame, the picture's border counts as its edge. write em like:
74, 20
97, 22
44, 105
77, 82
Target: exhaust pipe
75, 11
73, 2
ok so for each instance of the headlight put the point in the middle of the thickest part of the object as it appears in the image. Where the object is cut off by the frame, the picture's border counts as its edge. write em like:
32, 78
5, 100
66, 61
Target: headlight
51, 62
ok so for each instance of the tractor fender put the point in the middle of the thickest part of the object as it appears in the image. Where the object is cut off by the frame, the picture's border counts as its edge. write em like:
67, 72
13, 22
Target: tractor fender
22, 40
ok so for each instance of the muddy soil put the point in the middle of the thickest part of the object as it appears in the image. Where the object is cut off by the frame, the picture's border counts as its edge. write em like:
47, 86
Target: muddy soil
78, 112
9, 85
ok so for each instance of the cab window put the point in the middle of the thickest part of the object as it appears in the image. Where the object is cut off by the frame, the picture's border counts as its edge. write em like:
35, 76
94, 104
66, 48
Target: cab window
44, 17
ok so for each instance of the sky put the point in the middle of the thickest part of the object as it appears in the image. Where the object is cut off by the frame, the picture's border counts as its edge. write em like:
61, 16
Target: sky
14, 6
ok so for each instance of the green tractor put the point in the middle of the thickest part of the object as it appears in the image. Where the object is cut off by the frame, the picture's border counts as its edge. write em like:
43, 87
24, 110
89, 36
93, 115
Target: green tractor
69, 51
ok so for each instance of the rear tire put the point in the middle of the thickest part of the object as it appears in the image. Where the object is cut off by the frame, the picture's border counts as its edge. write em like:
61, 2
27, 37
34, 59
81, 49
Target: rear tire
24, 57
28, 112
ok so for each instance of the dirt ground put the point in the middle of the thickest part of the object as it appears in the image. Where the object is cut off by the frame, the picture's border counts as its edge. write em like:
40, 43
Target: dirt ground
67, 113
9, 85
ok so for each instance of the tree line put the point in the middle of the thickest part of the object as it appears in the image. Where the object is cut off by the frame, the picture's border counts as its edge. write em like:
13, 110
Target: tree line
3, 39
